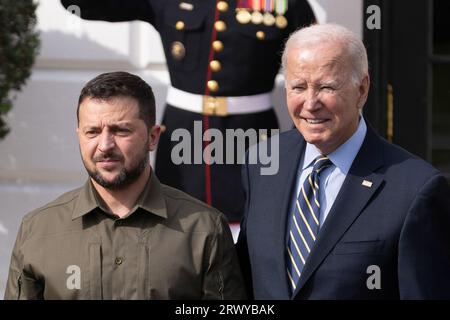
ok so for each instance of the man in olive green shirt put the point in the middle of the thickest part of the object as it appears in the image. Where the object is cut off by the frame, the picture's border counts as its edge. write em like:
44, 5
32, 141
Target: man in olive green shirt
123, 235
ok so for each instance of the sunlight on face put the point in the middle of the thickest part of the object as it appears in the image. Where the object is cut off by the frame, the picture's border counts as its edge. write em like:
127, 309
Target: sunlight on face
322, 100
114, 141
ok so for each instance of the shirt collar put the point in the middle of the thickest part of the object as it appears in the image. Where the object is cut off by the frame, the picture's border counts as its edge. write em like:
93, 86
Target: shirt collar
151, 200
343, 156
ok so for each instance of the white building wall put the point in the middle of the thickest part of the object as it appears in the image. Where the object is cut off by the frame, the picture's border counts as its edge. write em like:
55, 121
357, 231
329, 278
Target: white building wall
40, 159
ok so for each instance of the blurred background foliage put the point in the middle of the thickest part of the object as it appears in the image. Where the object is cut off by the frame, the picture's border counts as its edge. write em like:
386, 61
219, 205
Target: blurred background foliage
19, 45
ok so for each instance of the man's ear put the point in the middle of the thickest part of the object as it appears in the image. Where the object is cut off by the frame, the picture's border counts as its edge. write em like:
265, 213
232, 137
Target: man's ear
154, 134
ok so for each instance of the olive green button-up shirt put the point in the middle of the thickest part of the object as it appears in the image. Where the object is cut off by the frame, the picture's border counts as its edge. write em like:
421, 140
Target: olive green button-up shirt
170, 246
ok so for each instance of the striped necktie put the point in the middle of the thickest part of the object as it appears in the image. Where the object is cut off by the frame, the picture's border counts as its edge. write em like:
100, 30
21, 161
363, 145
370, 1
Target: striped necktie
304, 222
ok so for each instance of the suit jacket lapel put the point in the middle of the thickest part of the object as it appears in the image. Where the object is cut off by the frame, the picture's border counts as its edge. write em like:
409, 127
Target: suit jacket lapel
280, 201
349, 203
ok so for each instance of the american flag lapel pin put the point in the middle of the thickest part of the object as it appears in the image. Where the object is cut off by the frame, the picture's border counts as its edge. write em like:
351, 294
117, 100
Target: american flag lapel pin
367, 183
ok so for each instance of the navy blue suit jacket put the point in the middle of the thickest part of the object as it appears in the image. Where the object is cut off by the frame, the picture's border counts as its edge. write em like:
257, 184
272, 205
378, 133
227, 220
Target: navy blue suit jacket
400, 224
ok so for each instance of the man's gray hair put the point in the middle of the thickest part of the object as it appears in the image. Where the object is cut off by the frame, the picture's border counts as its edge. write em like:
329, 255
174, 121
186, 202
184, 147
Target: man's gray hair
326, 33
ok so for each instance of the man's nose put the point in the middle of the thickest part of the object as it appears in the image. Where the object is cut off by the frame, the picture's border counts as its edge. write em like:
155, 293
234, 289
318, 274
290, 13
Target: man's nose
311, 102
106, 142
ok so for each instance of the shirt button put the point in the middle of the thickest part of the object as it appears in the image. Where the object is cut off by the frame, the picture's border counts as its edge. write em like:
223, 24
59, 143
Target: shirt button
119, 222
118, 261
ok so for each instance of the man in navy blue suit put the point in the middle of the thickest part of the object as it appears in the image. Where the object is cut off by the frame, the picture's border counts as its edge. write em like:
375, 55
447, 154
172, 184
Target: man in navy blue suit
348, 215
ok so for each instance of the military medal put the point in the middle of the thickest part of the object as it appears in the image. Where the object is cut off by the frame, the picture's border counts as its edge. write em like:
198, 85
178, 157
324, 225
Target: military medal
281, 22
257, 17
262, 11
178, 50
243, 16
280, 9
268, 19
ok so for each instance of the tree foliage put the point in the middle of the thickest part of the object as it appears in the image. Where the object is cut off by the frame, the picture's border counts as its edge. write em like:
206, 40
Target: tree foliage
19, 45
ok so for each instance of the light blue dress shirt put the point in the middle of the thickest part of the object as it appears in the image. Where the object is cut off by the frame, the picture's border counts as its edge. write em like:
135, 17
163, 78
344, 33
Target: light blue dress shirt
332, 178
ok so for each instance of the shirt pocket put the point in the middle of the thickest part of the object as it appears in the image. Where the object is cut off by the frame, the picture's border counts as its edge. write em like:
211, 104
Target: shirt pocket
371, 247
95, 271
68, 265
184, 45
143, 277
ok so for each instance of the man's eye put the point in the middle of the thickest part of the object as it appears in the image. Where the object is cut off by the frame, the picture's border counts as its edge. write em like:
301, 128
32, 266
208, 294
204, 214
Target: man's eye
90, 133
327, 88
122, 131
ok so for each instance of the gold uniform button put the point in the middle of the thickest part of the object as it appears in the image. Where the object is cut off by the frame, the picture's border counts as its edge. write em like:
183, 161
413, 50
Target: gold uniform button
222, 6
213, 86
163, 128
220, 26
178, 50
260, 35
118, 261
217, 45
215, 65
179, 25
263, 136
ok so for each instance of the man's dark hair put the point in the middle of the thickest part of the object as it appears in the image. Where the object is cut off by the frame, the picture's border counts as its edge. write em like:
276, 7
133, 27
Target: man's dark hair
121, 84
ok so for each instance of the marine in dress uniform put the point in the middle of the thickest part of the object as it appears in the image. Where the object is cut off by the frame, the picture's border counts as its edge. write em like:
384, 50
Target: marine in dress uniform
223, 57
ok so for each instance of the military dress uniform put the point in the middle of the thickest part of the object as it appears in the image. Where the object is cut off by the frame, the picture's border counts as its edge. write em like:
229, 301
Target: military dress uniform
223, 57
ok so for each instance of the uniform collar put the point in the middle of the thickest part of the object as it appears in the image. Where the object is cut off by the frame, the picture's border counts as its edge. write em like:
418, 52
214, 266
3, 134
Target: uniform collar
151, 200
